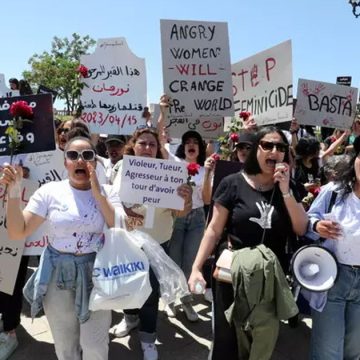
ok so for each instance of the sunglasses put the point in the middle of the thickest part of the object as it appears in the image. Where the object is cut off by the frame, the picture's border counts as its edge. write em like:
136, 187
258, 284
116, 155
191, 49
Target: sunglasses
63, 131
86, 155
243, 147
269, 146
140, 127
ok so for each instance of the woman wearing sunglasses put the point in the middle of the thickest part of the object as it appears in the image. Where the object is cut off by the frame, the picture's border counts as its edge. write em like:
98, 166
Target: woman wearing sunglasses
75, 210
145, 142
253, 206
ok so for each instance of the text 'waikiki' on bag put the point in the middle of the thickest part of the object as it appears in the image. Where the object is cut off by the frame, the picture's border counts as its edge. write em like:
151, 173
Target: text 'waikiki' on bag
121, 272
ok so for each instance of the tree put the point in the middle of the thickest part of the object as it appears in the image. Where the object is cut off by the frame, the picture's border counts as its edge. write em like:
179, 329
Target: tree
57, 69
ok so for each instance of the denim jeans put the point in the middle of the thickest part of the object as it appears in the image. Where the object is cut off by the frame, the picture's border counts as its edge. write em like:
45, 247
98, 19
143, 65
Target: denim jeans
186, 238
335, 330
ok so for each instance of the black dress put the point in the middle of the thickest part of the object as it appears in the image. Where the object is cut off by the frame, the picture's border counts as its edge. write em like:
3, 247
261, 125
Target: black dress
245, 228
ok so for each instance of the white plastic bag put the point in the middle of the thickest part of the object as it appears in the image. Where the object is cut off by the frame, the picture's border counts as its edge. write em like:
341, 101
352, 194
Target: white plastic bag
121, 272
172, 281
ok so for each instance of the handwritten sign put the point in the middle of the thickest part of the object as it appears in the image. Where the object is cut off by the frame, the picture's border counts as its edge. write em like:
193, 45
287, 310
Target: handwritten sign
196, 70
4, 90
208, 128
152, 182
262, 84
324, 104
36, 135
115, 88
11, 250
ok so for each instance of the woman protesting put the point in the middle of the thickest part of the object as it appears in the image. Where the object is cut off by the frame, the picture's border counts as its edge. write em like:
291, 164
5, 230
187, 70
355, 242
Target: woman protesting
251, 207
76, 211
336, 319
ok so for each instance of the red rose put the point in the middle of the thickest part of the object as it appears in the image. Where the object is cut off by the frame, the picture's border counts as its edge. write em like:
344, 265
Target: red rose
21, 109
215, 157
245, 114
193, 169
234, 137
83, 70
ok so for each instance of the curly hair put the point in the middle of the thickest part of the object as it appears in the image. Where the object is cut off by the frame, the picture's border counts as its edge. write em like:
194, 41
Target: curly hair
129, 147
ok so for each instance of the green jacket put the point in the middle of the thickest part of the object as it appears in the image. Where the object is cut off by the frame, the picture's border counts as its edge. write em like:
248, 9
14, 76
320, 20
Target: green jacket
260, 287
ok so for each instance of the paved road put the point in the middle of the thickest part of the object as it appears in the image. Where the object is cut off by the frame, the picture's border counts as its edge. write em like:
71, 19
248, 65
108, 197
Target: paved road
177, 339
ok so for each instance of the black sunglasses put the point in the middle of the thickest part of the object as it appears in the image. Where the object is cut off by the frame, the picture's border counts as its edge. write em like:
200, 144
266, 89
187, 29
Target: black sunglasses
86, 155
140, 127
269, 146
63, 131
243, 147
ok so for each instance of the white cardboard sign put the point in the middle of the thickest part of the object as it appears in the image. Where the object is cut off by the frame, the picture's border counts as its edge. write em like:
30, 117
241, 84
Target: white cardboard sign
262, 84
196, 69
11, 251
324, 104
114, 94
152, 182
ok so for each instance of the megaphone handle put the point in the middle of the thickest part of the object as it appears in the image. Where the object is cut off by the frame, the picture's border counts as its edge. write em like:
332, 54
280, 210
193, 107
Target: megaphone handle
296, 291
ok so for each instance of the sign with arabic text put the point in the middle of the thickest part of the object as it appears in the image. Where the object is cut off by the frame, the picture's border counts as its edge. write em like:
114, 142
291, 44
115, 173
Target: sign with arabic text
11, 251
114, 94
324, 104
196, 70
262, 84
36, 135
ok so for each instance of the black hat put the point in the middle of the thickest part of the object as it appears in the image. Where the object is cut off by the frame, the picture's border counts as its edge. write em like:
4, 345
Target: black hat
245, 138
191, 134
116, 138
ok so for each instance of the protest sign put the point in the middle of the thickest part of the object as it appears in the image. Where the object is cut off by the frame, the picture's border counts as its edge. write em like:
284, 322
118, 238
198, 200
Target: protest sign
45, 90
36, 135
11, 250
152, 182
262, 84
325, 104
343, 80
4, 90
114, 94
196, 71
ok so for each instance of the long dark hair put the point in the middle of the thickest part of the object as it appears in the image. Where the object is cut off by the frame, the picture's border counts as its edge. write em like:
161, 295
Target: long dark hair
180, 151
251, 165
348, 178
129, 147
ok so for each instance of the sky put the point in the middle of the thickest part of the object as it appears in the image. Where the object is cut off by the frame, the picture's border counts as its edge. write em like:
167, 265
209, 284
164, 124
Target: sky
324, 33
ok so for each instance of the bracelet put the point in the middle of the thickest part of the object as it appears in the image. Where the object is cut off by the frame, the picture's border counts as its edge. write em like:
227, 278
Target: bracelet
287, 195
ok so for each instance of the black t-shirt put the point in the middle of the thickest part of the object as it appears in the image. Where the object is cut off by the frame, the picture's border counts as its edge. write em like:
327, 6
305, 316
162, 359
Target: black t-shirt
250, 211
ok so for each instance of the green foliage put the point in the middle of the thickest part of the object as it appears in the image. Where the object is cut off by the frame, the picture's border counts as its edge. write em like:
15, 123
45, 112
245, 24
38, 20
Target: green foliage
57, 69
226, 145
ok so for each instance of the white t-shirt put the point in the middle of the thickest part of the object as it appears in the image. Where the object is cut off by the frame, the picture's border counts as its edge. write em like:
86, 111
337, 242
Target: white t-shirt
347, 214
75, 221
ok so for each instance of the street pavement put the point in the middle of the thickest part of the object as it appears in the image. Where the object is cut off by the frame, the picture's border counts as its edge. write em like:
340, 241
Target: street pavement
178, 339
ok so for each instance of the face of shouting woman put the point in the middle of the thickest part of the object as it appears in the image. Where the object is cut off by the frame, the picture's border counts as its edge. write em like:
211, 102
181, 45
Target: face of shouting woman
77, 155
62, 134
191, 147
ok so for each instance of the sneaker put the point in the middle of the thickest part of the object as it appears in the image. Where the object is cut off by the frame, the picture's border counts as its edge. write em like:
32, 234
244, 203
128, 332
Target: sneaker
150, 351
170, 310
208, 295
124, 327
8, 344
190, 313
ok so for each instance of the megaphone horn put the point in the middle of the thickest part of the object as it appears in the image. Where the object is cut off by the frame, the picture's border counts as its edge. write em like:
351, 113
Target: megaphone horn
314, 268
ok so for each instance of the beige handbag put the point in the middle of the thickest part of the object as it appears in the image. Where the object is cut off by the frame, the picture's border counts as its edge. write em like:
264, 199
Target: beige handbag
222, 270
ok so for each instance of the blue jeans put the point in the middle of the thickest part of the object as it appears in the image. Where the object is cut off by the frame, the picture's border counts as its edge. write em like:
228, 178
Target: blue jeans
335, 330
186, 238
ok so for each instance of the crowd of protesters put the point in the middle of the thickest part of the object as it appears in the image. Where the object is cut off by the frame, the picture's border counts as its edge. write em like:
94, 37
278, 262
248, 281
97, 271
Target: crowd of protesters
262, 207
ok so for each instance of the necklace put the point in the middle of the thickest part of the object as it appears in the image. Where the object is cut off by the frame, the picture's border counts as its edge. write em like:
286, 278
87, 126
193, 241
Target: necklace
262, 187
